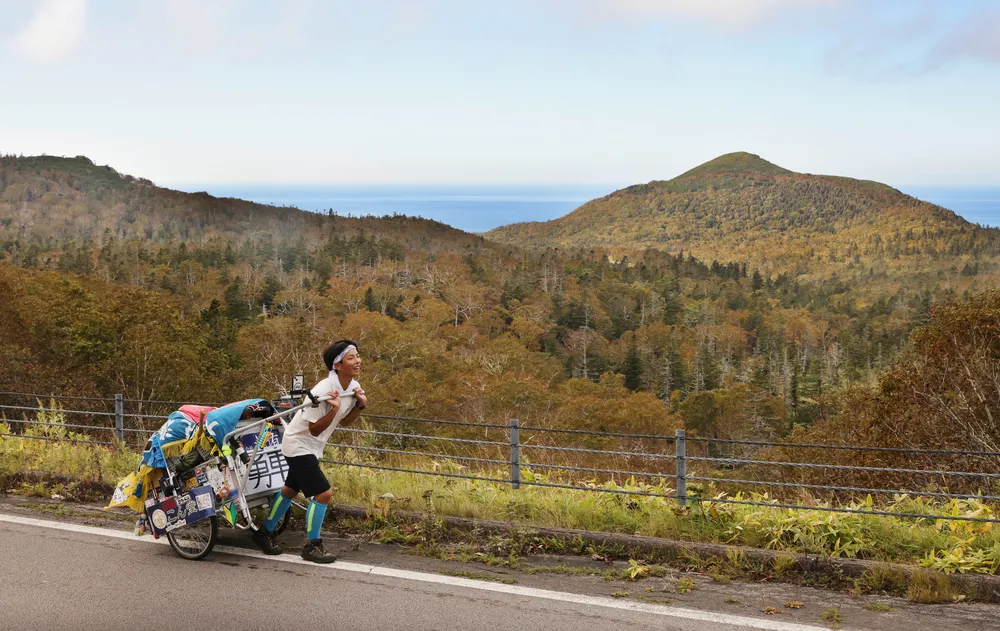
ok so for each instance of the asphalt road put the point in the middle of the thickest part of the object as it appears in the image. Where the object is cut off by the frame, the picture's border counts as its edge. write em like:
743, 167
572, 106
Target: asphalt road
55, 579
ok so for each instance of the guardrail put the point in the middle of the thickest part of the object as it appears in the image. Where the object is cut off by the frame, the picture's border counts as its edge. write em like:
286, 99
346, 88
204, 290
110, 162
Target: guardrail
664, 458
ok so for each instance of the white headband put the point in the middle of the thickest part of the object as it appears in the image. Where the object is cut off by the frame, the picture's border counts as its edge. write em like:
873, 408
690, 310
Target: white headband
339, 358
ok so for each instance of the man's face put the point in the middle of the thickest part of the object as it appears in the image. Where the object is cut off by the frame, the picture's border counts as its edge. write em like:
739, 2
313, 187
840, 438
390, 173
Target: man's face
350, 365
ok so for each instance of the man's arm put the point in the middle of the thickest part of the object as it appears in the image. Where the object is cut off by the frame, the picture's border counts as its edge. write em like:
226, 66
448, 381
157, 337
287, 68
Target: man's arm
324, 421
351, 416
361, 401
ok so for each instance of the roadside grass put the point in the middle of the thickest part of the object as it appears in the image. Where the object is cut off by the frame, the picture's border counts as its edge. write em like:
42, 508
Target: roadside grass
89, 472
47, 464
944, 545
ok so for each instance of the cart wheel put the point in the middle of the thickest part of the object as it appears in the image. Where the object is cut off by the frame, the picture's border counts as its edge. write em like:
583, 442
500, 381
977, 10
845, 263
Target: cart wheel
280, 528
195, 541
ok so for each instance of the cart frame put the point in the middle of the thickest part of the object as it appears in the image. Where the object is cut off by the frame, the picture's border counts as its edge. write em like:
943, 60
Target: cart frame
195, 540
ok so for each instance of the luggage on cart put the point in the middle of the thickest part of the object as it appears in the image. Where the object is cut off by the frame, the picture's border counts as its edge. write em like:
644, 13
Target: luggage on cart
188, 473
205, 463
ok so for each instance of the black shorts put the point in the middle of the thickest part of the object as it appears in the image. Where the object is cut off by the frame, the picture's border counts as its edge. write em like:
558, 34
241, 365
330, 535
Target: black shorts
305, 475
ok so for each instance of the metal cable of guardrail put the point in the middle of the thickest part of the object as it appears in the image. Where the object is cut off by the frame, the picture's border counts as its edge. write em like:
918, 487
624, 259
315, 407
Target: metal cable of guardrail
419, 453
437, 473
771, 505
599, 489
55, 396
513, 447
58, 439
904, 450
423, 436
536, 465
555, 430
846, 489
841, 467
436, 422
43, 409
177, 403
22, 422
900, 450
636, 454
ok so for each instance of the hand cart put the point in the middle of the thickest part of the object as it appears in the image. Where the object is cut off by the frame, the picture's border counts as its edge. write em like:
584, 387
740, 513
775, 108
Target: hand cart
198, 488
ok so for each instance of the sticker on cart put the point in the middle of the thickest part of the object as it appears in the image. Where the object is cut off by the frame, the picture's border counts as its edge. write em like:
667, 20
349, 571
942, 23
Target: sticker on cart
183, 510
216, 479
159, 519
267, 474
249, 441
204, 501
190, 508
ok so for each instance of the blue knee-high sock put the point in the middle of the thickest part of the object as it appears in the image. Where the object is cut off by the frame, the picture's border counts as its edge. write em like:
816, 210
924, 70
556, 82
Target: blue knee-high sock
314, 520
279, 505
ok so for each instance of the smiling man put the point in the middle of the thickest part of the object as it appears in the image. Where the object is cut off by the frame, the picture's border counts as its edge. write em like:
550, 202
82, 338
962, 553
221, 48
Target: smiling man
303, 444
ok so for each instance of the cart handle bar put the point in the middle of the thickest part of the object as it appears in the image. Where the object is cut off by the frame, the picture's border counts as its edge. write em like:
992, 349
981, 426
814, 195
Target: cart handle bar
242, 480
280, 416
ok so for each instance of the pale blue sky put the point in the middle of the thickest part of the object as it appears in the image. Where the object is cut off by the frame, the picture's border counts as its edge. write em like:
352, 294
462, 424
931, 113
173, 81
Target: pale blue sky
905, 92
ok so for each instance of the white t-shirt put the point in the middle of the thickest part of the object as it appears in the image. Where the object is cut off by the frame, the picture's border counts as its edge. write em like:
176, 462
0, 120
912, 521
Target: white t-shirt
297, 440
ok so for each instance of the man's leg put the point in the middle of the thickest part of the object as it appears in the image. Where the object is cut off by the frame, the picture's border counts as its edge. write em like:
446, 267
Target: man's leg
279, 506
316, 514
313, 550
264, 536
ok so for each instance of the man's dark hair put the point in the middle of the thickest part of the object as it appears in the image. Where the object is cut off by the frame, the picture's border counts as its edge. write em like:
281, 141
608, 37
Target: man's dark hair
335, 349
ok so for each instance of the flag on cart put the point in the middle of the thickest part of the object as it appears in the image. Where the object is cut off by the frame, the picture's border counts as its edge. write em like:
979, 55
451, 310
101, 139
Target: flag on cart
189, 427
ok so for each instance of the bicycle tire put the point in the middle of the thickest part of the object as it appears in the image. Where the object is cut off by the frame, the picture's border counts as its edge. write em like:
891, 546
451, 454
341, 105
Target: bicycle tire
201, 544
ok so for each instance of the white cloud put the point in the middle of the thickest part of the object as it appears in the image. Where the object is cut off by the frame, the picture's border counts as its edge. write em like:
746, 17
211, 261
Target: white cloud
227, 28
728, 13
55, 30
202, 24
914, 44
977, 37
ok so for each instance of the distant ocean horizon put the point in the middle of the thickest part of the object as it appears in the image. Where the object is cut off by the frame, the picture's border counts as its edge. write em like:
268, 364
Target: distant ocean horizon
478, 208
468, 207
978, 204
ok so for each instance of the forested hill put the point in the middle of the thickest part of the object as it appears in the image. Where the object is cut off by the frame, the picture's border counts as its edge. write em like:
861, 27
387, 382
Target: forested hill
740, 207
115, 285
46, 200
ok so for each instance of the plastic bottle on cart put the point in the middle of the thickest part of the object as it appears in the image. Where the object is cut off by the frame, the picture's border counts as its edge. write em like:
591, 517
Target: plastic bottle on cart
241, 452
165, 487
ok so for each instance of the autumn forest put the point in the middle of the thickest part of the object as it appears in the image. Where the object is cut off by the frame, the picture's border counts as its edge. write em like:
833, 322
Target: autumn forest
739, 300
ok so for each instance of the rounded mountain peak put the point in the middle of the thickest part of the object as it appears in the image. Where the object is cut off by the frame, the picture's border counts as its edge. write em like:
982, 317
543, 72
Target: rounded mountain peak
739, 161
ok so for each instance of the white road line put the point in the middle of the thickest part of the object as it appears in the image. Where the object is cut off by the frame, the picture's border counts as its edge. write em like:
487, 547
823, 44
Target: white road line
343, 566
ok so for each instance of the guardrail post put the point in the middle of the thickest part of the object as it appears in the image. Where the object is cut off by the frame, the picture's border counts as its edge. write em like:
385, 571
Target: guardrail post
515, 454
681, 461
119, 418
